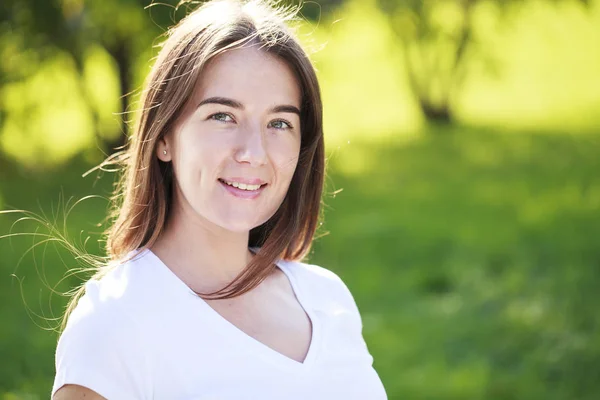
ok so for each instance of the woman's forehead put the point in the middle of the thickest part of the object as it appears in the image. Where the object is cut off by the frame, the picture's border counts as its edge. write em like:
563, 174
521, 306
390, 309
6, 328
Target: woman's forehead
250, 76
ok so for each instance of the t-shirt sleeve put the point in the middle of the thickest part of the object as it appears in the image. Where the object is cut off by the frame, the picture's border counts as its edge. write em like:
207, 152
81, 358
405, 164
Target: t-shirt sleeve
336, 290
99, 350
351, 304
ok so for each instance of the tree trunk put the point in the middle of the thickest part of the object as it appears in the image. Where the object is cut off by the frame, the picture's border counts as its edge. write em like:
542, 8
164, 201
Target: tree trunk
439, 115
437, 112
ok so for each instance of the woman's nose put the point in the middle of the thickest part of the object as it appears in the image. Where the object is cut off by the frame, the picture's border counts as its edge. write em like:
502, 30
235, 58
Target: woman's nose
252, 147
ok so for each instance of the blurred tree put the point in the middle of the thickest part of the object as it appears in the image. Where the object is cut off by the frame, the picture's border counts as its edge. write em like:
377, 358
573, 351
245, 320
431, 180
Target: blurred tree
437, 37
34, 31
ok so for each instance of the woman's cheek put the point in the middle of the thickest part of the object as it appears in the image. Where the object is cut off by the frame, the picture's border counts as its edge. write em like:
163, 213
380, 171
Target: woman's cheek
287, 152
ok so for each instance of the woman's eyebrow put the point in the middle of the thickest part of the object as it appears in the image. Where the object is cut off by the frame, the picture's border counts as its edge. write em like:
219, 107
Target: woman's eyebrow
286, 109
224, 101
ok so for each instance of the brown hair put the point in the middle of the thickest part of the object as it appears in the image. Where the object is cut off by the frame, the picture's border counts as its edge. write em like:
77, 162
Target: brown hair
142, 199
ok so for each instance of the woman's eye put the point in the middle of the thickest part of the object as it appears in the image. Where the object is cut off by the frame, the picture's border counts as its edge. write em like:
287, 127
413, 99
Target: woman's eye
221, 117
280, 124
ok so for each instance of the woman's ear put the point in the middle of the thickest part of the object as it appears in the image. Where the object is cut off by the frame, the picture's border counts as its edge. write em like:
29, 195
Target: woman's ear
162, 151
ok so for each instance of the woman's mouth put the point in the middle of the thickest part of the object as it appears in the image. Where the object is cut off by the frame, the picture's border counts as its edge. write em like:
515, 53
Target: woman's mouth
241, 189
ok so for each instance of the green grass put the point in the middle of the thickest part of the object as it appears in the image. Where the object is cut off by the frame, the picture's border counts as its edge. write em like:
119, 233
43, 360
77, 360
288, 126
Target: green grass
473, 256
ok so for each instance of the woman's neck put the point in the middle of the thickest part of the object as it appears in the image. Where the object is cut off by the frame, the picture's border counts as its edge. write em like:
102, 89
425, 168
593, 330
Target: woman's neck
204, 256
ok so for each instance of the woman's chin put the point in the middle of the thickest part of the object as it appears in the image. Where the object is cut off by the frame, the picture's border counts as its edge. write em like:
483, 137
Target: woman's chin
240, 226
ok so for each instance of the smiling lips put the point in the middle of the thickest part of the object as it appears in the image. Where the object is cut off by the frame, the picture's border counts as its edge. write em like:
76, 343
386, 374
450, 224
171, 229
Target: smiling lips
243, 188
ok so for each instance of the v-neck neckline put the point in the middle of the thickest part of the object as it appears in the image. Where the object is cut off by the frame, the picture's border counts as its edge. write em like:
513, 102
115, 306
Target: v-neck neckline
259, 347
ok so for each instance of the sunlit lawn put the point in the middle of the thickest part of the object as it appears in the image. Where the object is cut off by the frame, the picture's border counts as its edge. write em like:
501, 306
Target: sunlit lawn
475, 260
473, 256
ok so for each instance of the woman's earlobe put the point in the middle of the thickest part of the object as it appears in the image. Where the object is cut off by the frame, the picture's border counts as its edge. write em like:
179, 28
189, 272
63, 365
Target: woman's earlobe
164, 155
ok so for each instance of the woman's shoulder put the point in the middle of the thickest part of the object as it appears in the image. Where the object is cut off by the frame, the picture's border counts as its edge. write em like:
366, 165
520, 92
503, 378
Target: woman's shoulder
123, 291
320, 282
313, 272
102, 341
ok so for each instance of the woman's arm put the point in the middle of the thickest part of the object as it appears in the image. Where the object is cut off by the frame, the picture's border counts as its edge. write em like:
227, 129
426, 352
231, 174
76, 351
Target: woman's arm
76, 392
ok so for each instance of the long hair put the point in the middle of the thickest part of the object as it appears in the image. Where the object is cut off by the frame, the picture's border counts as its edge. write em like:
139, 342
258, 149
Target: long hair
142, 199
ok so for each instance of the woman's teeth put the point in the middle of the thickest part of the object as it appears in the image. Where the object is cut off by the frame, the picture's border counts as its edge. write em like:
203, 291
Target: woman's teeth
242, 186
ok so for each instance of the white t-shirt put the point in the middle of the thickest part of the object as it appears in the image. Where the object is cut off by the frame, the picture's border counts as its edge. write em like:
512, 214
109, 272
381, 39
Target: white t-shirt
141, 333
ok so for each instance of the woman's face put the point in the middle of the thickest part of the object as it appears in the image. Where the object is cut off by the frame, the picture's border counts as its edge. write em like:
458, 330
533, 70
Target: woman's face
241, 128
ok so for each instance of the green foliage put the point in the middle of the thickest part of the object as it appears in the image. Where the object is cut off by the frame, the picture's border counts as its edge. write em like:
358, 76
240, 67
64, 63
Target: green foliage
444, 41
47, 120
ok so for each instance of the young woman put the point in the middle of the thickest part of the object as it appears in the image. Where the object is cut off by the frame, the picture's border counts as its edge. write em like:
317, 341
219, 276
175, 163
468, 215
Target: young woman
206, 296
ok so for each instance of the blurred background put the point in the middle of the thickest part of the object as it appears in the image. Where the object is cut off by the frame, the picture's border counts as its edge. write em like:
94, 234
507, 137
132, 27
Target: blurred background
463, 189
